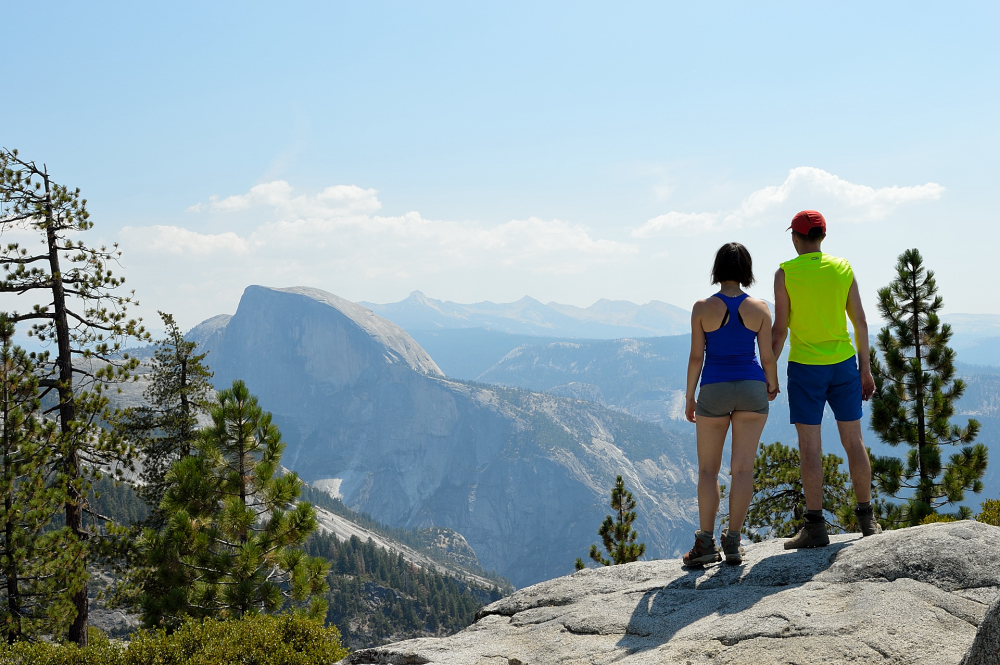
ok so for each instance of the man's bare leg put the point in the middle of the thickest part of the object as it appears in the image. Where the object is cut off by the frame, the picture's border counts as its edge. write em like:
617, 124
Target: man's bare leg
811, 460
857, 459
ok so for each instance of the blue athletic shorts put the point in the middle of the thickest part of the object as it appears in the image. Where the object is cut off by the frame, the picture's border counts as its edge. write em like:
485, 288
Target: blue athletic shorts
810, 387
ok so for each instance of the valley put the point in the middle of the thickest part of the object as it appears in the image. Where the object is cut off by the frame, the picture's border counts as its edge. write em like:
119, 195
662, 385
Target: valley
511, 439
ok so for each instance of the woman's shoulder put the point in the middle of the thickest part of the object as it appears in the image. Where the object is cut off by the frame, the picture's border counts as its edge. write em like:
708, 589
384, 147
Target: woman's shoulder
757, 305
705, 303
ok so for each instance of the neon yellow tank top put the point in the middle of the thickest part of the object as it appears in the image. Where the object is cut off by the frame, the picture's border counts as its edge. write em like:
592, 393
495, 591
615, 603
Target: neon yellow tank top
817, 286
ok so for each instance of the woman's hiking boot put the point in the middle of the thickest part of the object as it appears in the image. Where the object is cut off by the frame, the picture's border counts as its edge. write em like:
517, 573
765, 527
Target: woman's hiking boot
731, 547
704, 551
813, 534
866, 520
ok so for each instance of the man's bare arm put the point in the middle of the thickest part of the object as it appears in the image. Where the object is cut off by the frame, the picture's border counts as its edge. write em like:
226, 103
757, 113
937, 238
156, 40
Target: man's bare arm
779, 331
856, 312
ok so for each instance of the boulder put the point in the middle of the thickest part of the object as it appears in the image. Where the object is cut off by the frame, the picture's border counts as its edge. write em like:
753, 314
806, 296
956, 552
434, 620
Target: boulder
985, 649
909, 596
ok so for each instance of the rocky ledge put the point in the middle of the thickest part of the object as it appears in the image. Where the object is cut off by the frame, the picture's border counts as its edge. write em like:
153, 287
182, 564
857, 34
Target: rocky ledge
915, 595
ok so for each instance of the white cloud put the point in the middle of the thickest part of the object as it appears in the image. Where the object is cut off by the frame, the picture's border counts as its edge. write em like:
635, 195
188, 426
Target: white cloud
277, 195
177, 240
333, 237
679, 223
805, 187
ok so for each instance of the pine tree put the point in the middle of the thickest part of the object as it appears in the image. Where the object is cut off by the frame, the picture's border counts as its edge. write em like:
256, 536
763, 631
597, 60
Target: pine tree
228, 548
617, 533
82, 313
165, 428
914, 401
778, 506
40, 567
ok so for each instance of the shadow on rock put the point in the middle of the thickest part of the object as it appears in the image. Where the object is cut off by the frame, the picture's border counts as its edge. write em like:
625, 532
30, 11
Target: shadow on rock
722, 590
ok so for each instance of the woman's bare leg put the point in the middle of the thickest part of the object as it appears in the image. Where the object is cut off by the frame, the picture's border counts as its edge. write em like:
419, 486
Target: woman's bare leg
711, 439
747, 427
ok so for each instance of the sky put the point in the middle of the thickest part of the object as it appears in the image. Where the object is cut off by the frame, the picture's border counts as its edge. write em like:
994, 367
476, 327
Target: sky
488, 151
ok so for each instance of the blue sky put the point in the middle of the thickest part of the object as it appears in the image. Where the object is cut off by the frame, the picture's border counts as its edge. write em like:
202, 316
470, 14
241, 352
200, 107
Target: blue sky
474, 151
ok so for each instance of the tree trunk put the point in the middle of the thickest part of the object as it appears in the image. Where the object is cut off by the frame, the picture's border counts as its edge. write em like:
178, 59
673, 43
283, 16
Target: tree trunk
67, 414
185, 447
13, 594
13, 597
921, 431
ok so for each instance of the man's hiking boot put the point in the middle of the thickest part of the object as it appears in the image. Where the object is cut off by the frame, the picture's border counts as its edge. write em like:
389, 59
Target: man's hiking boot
813, 534
866, 520
704, 551
731, 547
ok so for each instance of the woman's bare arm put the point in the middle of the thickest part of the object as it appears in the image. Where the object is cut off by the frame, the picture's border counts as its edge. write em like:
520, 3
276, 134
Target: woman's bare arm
695, 360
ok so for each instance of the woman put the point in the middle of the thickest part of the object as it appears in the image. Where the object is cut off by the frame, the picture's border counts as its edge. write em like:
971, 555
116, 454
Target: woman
735, 389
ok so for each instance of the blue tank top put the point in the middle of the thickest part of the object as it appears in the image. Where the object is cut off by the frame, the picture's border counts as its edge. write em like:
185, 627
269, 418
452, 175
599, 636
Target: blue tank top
729, 351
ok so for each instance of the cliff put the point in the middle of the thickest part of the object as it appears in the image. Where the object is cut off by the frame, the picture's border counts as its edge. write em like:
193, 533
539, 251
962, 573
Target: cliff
913, 596
523, 476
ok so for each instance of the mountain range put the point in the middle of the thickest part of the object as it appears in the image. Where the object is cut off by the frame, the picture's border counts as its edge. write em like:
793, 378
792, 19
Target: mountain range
976, 336
523, 476
512, 439
604, 319
646, 378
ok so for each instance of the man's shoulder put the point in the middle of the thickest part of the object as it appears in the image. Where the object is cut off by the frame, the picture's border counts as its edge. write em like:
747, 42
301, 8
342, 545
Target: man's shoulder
837, 261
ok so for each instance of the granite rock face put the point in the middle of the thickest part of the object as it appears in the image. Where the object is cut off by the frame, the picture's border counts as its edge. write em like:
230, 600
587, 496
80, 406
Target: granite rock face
985, 649
524, 477
909, 596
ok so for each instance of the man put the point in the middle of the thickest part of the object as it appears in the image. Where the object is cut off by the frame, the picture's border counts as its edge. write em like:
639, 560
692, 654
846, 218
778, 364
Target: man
812, 293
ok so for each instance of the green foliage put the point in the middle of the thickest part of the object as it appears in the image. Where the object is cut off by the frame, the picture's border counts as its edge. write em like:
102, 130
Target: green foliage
778, 506
617, 533
165, 428
261, 640
376, 596
989, 512
117, 500
232, 526
914, 401
934, 518
40, 567
102, 652
72, 291
258, 639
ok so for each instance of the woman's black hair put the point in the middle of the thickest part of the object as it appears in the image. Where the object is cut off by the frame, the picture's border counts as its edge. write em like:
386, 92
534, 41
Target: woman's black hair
733, 263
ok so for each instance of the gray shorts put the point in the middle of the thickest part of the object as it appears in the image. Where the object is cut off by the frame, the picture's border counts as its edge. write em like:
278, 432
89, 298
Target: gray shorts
717, 400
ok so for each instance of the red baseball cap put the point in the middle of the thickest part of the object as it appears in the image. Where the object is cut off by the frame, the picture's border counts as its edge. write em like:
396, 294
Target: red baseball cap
806, 220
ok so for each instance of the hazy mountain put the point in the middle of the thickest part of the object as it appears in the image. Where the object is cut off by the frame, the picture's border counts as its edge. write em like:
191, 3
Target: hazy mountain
465, 353
976, 336
973, 326
605, 319
646, 378
523, 476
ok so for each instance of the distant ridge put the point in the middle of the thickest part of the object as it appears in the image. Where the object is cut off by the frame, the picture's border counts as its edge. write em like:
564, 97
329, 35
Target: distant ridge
522, 476
605, 319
